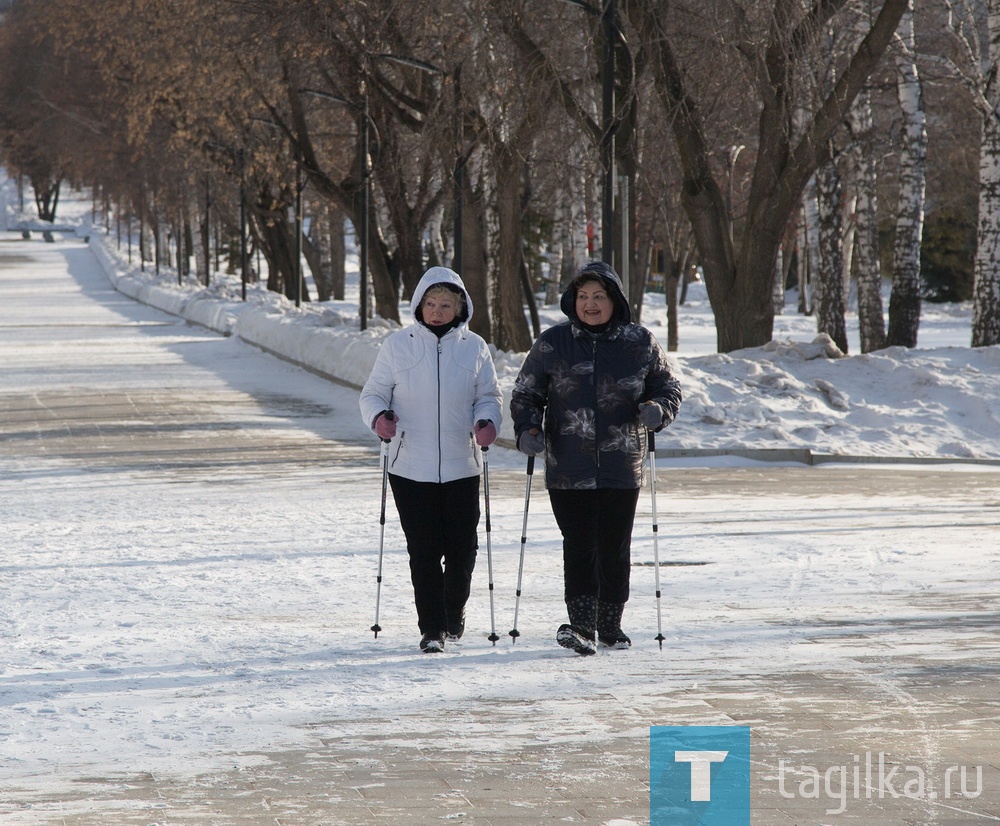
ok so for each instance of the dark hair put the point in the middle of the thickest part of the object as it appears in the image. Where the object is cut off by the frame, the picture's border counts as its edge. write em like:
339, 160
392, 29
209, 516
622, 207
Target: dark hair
587, 277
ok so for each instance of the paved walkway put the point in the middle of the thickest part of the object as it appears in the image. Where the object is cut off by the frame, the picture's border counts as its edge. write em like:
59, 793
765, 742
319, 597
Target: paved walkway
942, 716
936, 713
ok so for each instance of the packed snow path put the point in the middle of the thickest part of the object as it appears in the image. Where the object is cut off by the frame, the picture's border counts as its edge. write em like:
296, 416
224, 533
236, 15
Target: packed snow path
190, 543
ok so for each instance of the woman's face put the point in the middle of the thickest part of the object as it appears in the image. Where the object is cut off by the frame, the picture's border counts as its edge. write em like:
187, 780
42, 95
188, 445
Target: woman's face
593, 304
439, 307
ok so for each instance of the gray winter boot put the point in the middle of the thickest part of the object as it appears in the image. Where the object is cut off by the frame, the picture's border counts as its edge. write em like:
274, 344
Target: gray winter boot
578, 634
609, 625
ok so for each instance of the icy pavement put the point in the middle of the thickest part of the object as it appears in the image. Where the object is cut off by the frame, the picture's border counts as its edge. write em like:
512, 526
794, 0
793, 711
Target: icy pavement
190, 543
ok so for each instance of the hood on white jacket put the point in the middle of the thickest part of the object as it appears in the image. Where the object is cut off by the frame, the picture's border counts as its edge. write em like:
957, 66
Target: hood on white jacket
440, 275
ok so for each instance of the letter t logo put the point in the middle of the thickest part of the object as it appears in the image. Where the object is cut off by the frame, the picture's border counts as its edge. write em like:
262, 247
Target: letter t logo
701, 770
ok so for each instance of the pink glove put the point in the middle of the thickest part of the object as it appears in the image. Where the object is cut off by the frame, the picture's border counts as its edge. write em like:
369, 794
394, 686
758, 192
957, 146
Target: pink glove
385, 425
486, 433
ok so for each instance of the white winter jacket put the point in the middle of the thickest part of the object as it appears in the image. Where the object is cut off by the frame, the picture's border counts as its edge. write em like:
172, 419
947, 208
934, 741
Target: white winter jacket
438, 389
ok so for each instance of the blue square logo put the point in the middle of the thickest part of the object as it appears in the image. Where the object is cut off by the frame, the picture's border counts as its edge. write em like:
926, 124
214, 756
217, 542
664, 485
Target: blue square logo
699, 776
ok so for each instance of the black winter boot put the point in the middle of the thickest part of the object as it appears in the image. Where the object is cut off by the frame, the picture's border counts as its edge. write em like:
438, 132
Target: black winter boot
432, 643
455, 624
609, 625
578, 634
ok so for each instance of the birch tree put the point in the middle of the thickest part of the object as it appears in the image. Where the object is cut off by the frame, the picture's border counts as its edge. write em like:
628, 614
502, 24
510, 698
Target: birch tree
831, 303
976, 62
905, 301
986, 289
871, 319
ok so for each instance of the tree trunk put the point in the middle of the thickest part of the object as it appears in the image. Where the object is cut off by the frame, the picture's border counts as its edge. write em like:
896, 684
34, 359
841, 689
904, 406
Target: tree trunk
871, 319
205, 231
986, 291
381, 281
830, 313
474, 271
672, 280
810, 224
338, 251
905, 300
316, 249
46, 197
778, 284
510, 325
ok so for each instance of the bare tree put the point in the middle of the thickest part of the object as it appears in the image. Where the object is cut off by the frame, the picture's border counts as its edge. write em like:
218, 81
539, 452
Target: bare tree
777, 41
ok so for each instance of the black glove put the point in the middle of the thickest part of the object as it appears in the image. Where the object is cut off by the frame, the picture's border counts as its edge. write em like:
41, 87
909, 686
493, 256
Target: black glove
650, 415
531, 442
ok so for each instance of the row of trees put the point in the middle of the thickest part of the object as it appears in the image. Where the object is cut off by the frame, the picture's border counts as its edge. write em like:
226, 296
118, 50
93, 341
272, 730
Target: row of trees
747, 137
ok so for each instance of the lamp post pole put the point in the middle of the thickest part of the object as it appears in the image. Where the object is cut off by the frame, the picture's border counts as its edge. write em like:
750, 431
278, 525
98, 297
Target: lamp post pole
241, 159
610, 34
365, 202
297, 247
608, 20
459, 177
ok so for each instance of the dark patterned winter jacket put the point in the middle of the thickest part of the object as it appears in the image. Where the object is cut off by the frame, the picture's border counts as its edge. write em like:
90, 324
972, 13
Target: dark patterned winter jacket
583, 390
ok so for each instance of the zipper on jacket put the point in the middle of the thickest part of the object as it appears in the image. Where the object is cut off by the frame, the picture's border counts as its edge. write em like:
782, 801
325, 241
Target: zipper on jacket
439, 348
597, 411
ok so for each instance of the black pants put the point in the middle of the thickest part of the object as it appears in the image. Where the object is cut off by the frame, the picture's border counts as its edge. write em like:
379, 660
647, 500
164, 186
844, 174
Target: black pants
440, 522
596, 526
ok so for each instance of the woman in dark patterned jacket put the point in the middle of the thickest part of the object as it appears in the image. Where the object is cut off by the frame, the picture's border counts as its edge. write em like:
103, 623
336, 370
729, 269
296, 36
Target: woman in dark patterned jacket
586, 394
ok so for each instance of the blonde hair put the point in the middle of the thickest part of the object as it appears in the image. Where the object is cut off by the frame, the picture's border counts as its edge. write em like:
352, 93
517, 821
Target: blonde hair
448, 292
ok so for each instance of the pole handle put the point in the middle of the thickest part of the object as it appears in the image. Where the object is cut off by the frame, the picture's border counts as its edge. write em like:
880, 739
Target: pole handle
391, 417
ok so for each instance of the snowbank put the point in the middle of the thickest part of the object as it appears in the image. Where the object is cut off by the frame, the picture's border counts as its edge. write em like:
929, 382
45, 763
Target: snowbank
801, 401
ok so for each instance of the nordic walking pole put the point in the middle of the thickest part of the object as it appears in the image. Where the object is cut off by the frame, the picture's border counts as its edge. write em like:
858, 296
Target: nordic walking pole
656, 545
381, 539
524, 538
489, 550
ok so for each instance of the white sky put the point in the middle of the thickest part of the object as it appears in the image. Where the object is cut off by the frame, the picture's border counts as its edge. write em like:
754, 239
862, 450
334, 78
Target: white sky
183, 618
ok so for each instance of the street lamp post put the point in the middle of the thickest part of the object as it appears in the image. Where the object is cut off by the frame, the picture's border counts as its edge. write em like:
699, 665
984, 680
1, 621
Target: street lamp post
241, 162
366, 189
608, 21
459, 175
298, 236
610, 34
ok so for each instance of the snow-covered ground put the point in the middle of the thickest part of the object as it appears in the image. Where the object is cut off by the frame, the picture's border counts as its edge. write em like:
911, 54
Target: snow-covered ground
183, 620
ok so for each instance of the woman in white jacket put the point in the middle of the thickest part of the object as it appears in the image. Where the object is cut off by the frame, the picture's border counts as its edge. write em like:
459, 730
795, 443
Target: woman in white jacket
433, 395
